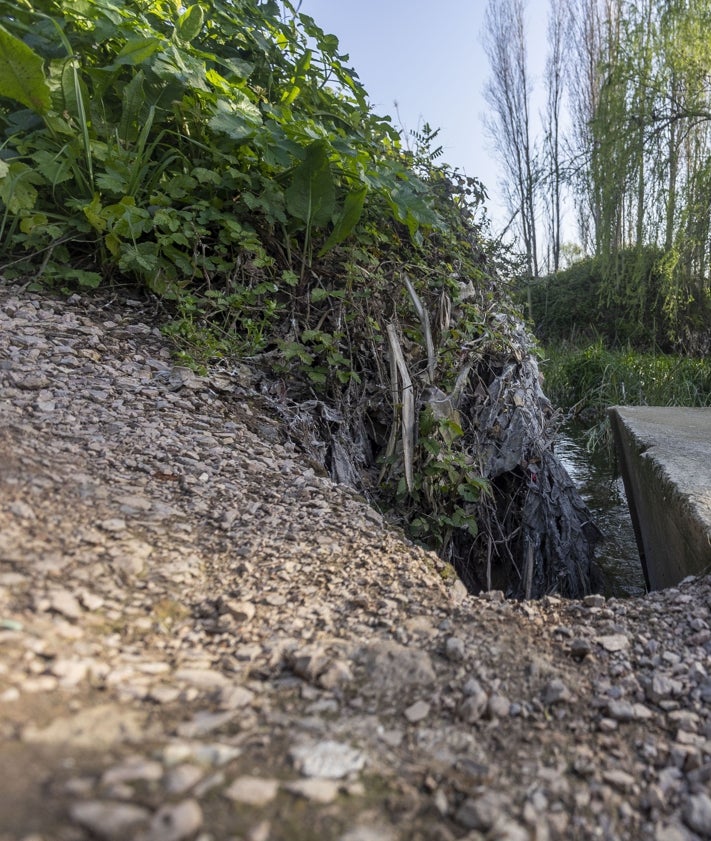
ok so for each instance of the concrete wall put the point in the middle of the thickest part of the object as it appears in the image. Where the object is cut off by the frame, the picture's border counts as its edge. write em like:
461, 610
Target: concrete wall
665, 460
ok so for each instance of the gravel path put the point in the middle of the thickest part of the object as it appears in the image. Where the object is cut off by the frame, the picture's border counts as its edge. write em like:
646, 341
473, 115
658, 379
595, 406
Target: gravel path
203, 638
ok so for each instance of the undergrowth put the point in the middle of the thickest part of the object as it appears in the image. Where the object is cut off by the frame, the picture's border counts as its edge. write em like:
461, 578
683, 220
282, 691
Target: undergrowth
224, 156
586, 381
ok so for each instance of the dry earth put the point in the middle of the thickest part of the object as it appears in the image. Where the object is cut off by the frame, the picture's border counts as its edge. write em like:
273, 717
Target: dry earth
203, 638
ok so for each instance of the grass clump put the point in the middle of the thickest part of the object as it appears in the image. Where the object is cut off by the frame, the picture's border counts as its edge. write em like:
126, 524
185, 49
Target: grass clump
587, 380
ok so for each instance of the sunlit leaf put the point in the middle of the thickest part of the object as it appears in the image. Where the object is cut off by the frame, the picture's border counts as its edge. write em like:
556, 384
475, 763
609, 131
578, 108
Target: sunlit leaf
22, 74
137, 50
238, 118
190, 23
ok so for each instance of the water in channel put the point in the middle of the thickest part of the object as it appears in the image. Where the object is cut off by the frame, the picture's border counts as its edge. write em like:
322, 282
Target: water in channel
600, 485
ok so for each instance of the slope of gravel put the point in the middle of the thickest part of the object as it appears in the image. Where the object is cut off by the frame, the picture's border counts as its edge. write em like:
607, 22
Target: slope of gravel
203, 638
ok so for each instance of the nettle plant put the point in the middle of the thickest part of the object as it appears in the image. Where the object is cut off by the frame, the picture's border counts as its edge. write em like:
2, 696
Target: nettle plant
216, 147
223, 155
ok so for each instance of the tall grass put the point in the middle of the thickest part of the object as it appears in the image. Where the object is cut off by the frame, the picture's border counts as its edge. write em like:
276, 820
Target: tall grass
586, 381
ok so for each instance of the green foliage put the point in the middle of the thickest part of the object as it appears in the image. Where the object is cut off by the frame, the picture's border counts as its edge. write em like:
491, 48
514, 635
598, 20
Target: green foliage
447, 490
585, 302
222, 155
168, 144
647, 171
590, 379
21, 76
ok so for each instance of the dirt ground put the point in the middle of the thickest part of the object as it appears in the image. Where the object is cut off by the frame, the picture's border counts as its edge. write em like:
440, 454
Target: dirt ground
202, 637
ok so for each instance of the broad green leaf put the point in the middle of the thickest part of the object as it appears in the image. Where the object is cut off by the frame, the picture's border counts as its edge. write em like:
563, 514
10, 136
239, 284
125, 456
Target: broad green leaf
136, 51
22, 74
238, 119
190, 23
16, 191
346, 222
311, 196
239, 67
133, 100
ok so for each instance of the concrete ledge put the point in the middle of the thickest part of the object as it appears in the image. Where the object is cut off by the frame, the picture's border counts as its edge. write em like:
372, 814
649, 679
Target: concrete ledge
665, 460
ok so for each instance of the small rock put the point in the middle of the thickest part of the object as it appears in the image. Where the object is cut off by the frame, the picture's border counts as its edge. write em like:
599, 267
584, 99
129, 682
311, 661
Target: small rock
454, 649
697, 814
253, 791
241, 610
114, 525
181, 778
641, 713
327, 759
70, 672
498, 706
555, 692
62, 601
202, 678
580, 648
174, 822
9, 695
481, 812
661, 687
22, 510
391, 668
91, 601
108, 819
135, 769
417, 712
475, 702
594, 600
337, 674
314, 789
671, 832
204, 722
619, 779
613, 642
130, 556
620, 710
234, 697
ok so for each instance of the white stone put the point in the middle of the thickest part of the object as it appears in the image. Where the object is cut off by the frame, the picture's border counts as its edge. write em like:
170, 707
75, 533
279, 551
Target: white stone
253, 791
314, 789
417, 712
107, 819
327, 759
613, 642
134, 769
174, 822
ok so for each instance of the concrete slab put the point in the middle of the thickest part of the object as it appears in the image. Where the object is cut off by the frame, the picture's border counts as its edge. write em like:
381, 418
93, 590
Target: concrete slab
665, 460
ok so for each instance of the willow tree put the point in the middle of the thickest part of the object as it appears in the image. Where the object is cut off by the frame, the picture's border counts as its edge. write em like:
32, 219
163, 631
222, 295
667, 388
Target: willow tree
641, 103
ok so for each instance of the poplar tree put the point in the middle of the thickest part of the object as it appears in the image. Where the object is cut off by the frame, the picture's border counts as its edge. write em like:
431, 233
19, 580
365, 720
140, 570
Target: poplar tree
508, 93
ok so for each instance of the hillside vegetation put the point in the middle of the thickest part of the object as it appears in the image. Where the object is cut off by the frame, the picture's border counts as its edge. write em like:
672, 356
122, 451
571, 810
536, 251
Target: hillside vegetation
224, 157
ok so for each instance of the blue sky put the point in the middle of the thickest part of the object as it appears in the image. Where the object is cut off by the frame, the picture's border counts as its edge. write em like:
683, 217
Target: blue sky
428, 57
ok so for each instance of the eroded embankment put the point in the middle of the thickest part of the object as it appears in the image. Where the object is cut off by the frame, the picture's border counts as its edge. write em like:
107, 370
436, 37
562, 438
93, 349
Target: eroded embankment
202, 637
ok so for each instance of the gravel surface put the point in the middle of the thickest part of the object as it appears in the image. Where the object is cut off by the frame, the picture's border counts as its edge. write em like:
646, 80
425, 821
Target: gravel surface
202, 637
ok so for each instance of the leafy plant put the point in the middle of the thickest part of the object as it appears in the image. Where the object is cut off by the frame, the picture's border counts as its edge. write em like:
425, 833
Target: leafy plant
222, 155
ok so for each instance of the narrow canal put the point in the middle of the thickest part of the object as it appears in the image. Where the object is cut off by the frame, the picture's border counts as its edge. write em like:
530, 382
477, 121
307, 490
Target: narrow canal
600, 485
